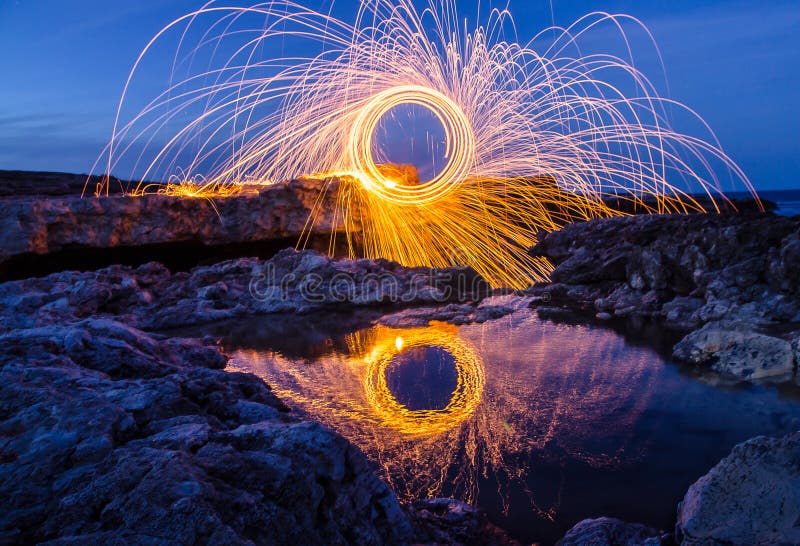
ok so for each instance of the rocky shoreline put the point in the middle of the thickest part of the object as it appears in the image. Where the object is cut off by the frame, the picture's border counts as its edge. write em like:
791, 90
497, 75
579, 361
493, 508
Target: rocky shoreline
114, 432
730, 282
116, 435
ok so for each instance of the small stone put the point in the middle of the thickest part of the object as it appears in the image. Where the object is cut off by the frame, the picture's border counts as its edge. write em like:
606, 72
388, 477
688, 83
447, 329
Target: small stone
612, 532
733, 349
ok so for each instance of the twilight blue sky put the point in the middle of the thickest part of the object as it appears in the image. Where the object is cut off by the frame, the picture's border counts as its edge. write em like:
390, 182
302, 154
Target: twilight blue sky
737, 62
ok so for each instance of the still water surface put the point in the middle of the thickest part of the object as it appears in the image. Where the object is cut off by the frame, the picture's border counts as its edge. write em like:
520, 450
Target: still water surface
540, 424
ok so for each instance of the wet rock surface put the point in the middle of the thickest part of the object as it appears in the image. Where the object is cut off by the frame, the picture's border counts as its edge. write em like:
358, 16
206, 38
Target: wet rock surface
479, 311
685, 271
734, 349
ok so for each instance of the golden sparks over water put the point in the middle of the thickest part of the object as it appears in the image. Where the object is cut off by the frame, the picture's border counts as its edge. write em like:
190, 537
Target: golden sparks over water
535, 135
523, 389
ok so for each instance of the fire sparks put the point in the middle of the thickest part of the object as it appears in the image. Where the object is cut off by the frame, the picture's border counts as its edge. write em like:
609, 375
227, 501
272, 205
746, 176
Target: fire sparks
534, 135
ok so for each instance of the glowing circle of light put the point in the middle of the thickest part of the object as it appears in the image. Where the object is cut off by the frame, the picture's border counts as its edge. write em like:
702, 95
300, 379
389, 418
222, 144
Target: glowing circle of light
459, 144
465, 398
539, 134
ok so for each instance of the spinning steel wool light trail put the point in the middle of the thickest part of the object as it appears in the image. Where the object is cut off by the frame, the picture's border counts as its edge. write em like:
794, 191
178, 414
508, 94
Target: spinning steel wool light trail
535, 135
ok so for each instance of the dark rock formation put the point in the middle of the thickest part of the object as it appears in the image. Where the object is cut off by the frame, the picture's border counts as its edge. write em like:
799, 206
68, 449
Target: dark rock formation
113, 436
108, 434
613, 532
37, 225
151, 297
27, 183
685, 271
751, 497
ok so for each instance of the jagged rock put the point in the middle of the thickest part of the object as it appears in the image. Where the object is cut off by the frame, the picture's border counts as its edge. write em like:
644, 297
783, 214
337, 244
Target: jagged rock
752, 497
681, 309
734, 349
690, 268
685, 270
582, 267
612, 532
292, 281
796, 349
112, 435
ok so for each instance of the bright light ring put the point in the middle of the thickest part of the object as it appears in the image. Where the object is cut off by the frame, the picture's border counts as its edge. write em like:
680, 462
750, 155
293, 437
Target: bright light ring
466, 396
459, 145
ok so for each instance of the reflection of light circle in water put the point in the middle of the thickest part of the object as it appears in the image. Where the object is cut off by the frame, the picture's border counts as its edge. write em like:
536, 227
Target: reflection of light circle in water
422, 377
465, 398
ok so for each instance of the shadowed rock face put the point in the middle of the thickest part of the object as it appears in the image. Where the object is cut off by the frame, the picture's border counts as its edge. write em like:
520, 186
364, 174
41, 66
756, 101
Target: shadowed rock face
685, 268
613, 532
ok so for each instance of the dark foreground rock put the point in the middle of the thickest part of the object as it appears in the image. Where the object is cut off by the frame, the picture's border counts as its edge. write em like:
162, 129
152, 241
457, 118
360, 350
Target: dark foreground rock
452, 522
684, 271
111, 435
752, 497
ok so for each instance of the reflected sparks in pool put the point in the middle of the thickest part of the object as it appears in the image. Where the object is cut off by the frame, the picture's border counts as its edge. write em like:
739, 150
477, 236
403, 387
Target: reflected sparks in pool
519, 416
386, 349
